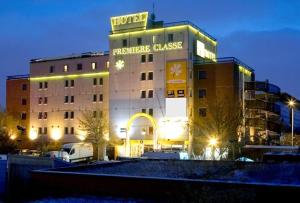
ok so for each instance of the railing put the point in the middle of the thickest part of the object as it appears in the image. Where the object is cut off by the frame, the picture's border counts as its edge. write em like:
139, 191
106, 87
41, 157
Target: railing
262, 86
262, 105
14, 77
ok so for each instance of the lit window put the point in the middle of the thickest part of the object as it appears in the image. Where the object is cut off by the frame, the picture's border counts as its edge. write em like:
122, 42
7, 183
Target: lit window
150, 75
94, 66
107, 64
150, 94
66, 68
154, 39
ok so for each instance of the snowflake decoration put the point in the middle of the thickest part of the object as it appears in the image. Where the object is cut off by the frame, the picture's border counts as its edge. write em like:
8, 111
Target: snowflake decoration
119, 64
176, 70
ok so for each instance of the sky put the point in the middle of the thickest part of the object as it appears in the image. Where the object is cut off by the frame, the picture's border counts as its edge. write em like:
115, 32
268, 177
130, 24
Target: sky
264, 34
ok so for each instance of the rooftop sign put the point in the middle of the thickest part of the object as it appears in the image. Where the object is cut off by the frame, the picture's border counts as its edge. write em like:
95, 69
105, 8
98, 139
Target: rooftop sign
131, 21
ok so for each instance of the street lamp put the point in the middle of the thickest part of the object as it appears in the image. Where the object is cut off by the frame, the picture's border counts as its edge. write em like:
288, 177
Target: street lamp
291, 104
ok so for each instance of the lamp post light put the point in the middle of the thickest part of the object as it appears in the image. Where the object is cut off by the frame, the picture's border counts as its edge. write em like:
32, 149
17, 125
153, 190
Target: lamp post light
213, 142
291, 104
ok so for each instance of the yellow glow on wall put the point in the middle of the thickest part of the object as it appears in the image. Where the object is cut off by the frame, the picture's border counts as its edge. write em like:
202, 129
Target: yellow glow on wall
71, 76
244, 70
55, 133
172, 128
33, 134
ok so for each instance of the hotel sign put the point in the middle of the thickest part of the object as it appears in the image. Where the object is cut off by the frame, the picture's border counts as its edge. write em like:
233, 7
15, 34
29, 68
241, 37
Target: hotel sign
176, 77
148, 48
131, 21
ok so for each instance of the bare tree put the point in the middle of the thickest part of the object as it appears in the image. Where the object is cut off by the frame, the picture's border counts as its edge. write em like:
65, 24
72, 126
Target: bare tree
95, 124
8, 132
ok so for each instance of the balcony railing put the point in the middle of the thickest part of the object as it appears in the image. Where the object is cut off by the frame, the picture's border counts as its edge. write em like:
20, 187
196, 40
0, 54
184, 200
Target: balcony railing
262, 105
262, 86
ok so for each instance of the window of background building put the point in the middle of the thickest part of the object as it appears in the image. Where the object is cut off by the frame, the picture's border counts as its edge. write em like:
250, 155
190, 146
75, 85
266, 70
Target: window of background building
45, 100
143, 76
66, 99
202, 112
202, 74
66, 130
124, 42
101, 81
23, 116
40, 100
24, 102
151, 112
72, 114
150, 57
143, 110
66, 115
45, 115
41, 85
94, 65
72, 83
79, 66
143, 94
150, 75
143, 58
170, 37
72, 131
94, 81
101, 97
72, 99
139, 41
51, 69
24, 87
94, 98
66, 83
150, 94
40, 115
202, 93
66, 68
45, 85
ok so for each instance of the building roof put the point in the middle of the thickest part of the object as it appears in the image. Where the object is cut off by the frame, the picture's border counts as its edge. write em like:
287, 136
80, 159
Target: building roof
17, 77
72, 56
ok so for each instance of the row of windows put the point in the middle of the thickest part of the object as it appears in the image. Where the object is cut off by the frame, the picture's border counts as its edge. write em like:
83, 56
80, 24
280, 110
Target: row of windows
150, 76
95, 81
71, 114
100, 98
144, 93
43, 85
150, 58
79, 67
43, 115
68, 115
67, 100
150, 111
43, 100
71, 83
44, 131
139, 40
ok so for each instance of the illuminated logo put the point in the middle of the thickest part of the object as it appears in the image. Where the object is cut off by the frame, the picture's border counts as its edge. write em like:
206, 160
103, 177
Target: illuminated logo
136, 20
119, 64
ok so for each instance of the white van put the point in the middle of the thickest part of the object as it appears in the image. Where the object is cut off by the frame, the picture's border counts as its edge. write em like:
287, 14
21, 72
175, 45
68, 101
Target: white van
74, 152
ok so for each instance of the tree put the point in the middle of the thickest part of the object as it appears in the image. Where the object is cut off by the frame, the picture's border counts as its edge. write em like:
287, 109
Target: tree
8, 132
95, 124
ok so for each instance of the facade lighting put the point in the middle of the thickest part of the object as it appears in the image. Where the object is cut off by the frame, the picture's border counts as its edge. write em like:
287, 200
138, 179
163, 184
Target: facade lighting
71, 76
33, 134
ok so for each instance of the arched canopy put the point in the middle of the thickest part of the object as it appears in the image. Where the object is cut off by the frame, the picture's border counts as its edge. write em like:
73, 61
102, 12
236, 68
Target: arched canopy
137, 115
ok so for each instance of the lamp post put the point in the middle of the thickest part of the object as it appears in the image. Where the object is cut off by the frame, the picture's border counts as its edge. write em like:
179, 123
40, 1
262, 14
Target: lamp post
291, 104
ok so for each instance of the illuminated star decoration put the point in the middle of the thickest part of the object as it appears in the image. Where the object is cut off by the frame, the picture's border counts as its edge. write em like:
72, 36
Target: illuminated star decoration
176, 70
120, 64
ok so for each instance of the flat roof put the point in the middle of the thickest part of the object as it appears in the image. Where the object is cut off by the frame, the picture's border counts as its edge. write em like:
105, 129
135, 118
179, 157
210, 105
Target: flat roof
18, 77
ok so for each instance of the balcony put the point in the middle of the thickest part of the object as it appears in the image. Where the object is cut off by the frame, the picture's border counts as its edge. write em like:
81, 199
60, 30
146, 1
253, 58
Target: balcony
262, 105
264, 86
262, 124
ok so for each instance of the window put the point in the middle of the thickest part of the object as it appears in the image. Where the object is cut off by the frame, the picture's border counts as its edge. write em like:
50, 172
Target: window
143, 94
24, 87
94, 66
72, 131
151, 112
72, 99
72, 114
40, 100
51, 69
150, 58
45, 130
45, 100
150, 94
101, 97
202, 93
107, 64
45, 115
66, 83
66, 68
23, 116
150, 75
66, 115
72, 83
170, 37
79, 66
139, 41
143, 58
40, 130
66, 130
41, 85
154, 39
45, 85
150, 130
94, 114
202, 75
202, 112
24, 102
40, 116
124, 42
94, 98
94, 81
143, 76
66, 99
101, 81
143, 110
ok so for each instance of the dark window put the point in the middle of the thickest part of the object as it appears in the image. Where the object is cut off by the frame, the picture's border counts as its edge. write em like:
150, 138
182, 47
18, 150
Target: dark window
40, 115
202, 112
202, 75
41, 85
150, 58
202, 93
101, 97
139, 41
150, 75
40, 100
72, 114
72, 99
45, 130
143, 58
124, 42
45, 85
45, 115
94, 114
150, 94
170, 37
40, 130
23, 116
66, 83
24, 87
66, 130
51, 69
72, 131
143, 110
94, 81
24, 102
94, 98
79, 66
143, 76
45, 100
66, 99
101, 81
143, 94
66, 115
151, 112
72, 83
